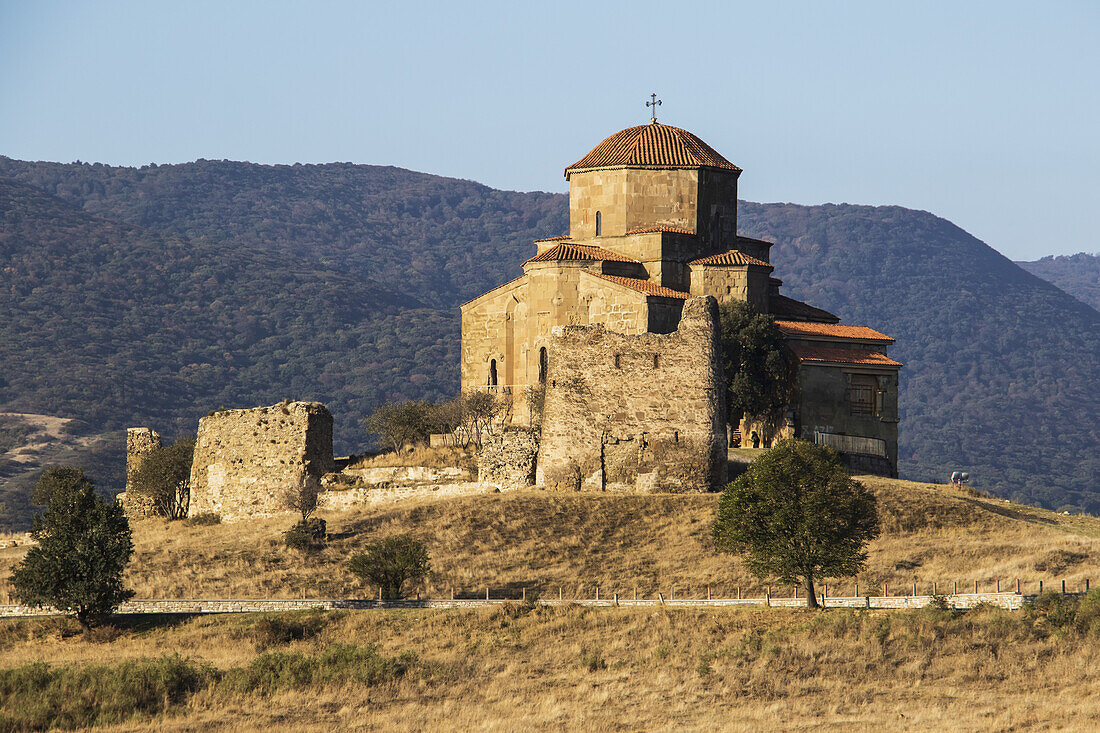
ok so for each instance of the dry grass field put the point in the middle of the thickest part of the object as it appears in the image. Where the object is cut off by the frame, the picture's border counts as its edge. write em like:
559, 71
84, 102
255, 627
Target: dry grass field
544, 540
570, 667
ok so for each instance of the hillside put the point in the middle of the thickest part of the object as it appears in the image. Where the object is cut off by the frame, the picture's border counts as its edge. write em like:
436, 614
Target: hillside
564, 667
1001, 367
546, 540
1078, 275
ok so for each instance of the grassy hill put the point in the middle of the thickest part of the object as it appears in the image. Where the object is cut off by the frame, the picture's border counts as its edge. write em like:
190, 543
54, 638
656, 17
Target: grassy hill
545, 540
340, 282
568, 667
1078, 275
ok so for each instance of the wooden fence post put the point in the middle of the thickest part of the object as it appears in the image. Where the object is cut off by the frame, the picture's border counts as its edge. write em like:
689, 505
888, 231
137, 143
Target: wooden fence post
956, 591
886, 590
914, 587
525, 593
597, 592
635, 592
486, 592
975, 586
1086, 585
738, 592
559, 592
855, 592
708, 592
1040, 586
1017, 586
1063, 587
934, 588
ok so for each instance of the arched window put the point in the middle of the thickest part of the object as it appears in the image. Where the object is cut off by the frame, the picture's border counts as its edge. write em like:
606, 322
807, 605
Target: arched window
544, 364
599, 224
493, 373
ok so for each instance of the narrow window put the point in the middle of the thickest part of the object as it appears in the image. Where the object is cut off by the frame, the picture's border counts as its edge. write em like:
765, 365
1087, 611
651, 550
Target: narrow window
618, 363
493, 373
676, 436
599, 224
656, 361
544, 364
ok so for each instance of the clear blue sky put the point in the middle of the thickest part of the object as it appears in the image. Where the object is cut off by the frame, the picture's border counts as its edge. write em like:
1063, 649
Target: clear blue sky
987, 113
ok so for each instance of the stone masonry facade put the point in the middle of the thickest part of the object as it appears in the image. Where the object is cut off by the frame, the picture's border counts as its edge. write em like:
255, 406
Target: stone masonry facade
247, 461
642, 412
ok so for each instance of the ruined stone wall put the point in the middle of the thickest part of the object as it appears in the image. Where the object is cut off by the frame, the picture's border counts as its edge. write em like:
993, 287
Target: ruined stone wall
636, 412
246, 461
507, 459
139, 443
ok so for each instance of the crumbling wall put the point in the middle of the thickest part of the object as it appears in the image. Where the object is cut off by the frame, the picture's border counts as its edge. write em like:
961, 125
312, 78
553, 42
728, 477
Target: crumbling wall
139, 443
507, 458
246, 461
639, 412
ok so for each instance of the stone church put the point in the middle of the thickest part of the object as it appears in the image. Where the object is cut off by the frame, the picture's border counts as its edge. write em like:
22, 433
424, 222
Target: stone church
652, 224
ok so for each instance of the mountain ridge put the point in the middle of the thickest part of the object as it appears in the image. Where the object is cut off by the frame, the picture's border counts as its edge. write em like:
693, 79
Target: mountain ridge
990, 349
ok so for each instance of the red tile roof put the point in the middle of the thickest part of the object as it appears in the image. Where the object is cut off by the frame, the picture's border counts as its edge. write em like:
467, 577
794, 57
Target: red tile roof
643, 286
733, 257
788, 308
558, 238
669, 230
832, 330
816, 353
652, 145
567, 251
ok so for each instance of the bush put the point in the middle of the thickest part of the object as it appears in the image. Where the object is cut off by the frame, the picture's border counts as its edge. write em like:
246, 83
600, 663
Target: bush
204, 519
37, 696
307, 536
163, 476
271, 672
392, 563
278, 629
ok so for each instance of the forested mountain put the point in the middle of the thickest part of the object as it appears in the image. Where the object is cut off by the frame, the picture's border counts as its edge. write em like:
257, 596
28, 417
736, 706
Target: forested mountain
179, 289
1078, 275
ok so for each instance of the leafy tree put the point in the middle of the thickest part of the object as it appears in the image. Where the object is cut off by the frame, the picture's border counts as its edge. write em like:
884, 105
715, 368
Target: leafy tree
403, 423
164, 477
58, 481
392, 563
83, 546
758, 368
797, 514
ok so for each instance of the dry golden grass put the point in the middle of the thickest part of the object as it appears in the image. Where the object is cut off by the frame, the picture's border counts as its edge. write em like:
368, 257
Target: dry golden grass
635, 669
420, 455
544, 540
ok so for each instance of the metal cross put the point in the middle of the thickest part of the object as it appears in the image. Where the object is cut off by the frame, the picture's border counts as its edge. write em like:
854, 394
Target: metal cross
654, 104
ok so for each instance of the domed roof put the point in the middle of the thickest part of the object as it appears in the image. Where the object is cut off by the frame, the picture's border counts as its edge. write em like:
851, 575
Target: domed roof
654, 145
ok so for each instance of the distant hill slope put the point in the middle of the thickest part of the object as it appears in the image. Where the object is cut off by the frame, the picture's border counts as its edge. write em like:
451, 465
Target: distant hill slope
1001, 369
1078, 275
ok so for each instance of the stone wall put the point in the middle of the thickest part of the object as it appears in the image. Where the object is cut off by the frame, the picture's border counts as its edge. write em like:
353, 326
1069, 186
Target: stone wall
507, 459
139, 443
636, 412
247, 461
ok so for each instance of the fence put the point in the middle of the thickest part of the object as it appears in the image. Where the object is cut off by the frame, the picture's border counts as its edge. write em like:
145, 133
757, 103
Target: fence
1012, 600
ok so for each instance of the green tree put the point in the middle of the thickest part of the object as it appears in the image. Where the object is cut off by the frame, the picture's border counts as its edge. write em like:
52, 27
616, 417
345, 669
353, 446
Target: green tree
58, 481
758, 367
83, 546
164, 477
798, 515
392, 563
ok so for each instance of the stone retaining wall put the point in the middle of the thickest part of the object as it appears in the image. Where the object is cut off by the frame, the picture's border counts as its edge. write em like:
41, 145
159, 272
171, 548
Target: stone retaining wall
1010, 601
